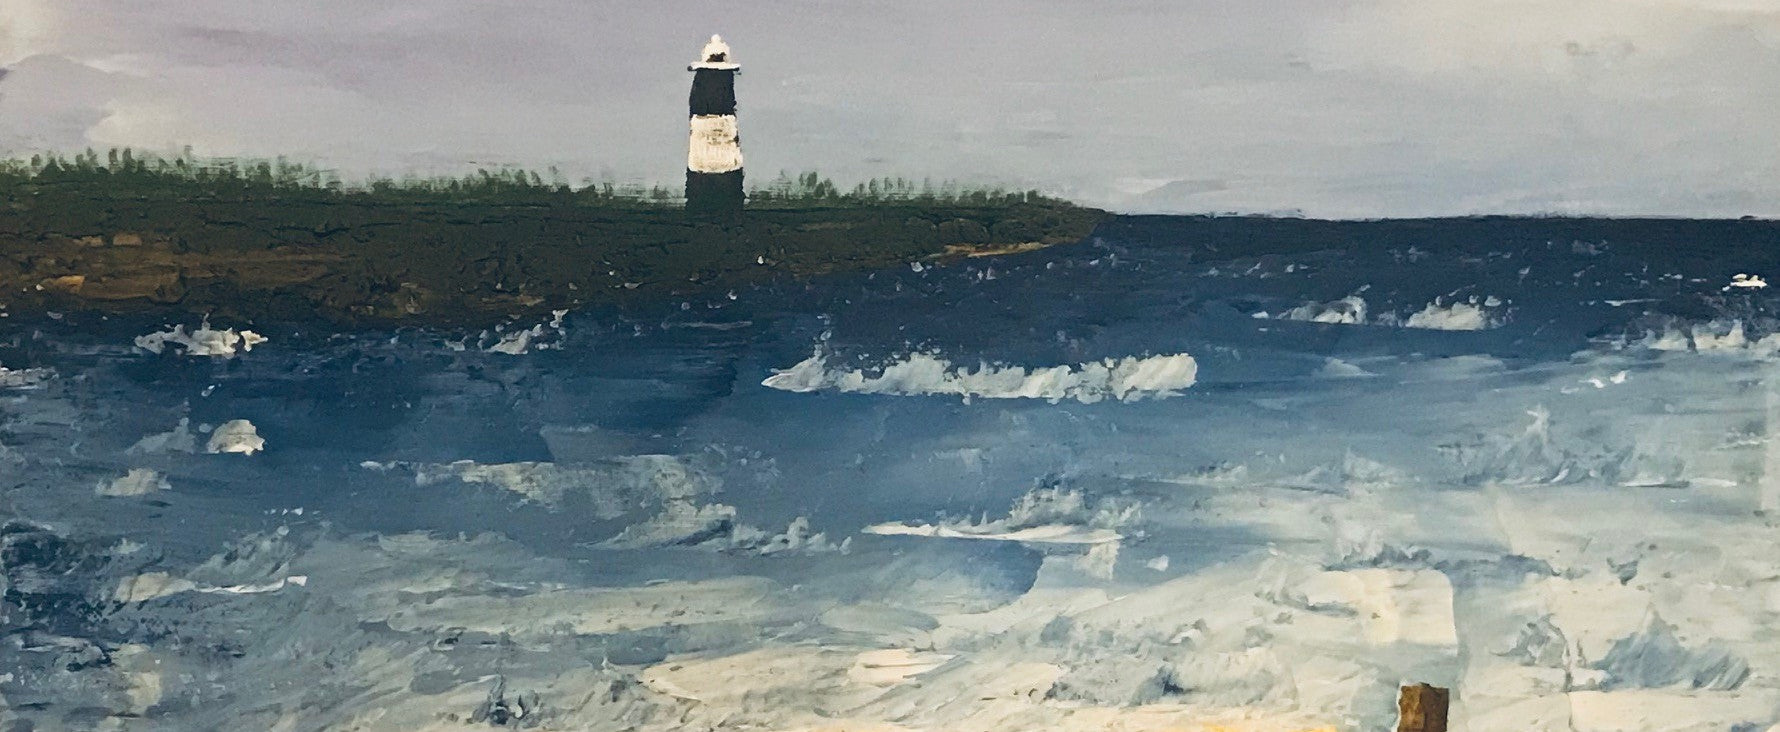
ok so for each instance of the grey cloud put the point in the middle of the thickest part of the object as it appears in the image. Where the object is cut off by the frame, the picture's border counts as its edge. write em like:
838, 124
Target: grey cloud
49, 102
1369, 108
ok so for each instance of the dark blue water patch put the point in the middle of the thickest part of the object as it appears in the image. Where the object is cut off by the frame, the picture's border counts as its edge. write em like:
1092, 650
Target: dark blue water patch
674, 379
1151, 283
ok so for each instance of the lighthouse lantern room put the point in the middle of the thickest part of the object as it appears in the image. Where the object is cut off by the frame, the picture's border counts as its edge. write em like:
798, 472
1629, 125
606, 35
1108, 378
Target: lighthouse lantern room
714, 155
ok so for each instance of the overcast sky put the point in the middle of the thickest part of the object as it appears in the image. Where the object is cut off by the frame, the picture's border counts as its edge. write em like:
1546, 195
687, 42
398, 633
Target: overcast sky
1340, 108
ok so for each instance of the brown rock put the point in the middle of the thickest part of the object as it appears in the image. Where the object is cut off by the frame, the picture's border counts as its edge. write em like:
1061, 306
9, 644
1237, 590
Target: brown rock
65, 283
122, 239
155, 286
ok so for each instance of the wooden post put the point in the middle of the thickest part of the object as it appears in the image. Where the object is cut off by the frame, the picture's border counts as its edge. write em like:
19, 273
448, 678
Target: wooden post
1421, 708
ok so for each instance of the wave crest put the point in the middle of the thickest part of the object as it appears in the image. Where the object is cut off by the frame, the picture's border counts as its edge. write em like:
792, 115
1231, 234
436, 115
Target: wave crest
1127, 379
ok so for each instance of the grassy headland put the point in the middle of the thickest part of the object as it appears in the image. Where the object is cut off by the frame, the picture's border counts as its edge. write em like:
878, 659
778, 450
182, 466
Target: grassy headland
272, 240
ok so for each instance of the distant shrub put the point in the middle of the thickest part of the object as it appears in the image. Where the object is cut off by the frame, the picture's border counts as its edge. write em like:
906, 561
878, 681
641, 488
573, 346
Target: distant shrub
126, 172
810, 188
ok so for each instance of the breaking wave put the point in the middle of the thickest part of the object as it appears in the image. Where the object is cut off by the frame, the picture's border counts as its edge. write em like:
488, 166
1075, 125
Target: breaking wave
203, 341
1472, 314
1047, 516
24, 378
613, 487
1350, 310
540, 337
682, 523
1715, 336
1127, 379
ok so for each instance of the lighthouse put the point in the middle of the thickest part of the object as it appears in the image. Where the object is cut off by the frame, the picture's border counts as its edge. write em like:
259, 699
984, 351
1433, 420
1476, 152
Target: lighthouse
714, 156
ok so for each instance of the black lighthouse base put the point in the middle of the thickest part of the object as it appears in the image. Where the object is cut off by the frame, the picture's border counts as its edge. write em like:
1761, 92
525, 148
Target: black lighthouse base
714, 194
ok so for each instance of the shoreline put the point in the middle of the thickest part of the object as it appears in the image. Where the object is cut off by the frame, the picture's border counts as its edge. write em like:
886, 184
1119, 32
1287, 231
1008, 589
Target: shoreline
364, 260
354, 262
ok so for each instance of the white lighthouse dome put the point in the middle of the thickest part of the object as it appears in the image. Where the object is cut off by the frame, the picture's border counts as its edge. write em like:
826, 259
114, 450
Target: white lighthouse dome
716, 50
715, 56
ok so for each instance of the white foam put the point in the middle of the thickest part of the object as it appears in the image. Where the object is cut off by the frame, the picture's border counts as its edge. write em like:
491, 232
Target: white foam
152, 585
797, 537
204, 341
295, 580
179, 439
1707, 338
598, 610
1600, 383
714, 526
1042, 516
1125, 379
517, 342
235, 435
1714, 336
680, 523
1057, 520
1335, 368
1350, 310
24, 378
1471, 315
1670, 339
1100, 560
540, 337
1747, 282
137, 482
1043, 534
613, 486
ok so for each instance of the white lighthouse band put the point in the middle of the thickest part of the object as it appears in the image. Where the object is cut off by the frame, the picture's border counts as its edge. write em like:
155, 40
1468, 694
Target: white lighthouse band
715, 147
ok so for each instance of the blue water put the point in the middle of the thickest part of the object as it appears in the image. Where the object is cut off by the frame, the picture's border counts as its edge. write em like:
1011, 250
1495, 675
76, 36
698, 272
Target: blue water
1305, 449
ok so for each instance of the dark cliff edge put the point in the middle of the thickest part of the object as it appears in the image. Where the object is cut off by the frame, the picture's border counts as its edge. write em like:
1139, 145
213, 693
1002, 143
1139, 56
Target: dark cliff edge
365, 260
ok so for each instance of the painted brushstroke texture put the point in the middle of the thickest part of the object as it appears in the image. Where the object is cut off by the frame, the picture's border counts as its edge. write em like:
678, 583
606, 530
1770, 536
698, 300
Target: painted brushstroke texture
1358, 109
1564, 516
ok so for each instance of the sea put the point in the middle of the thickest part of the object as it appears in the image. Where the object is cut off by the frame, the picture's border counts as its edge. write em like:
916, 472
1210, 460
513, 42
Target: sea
1188, 474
